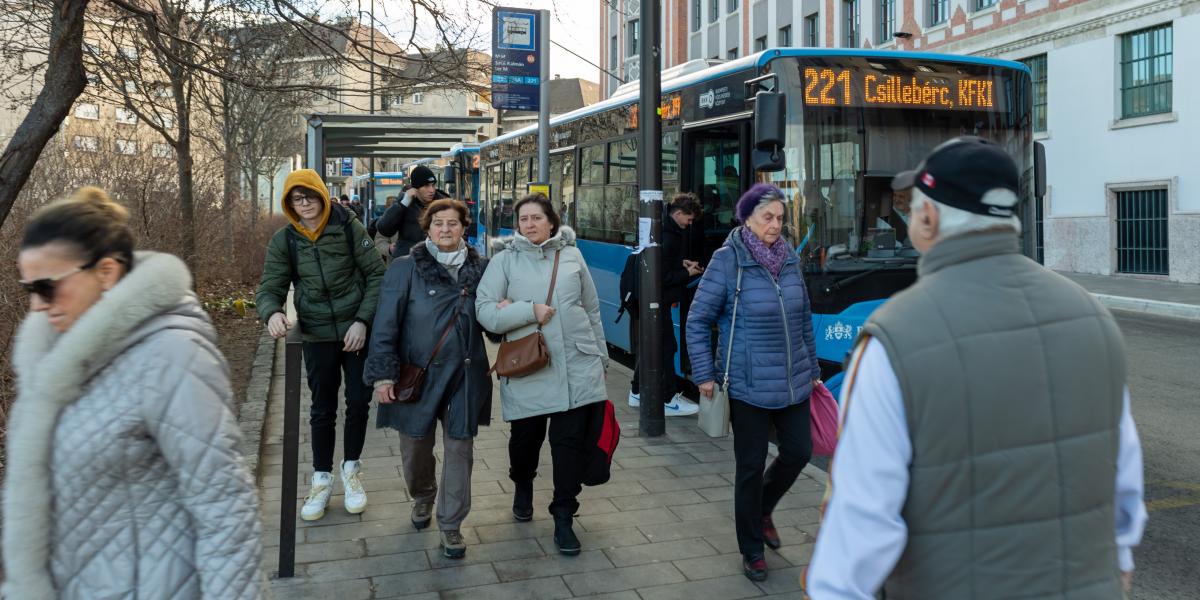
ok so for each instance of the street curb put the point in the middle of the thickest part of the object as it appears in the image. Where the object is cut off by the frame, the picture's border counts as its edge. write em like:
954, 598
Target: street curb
1176, 310
252, 414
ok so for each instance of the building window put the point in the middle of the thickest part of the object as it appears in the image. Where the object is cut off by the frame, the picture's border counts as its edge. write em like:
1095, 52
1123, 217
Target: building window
418, 97
850, 25
131, 87
1142, 232
887, 21
633, 31
1146, 69
164, 91
160, 151
810, 30
128, 52
696, 15
732, 5
87, 143
91, 47
785, 36
982, 4
939, 11
712, 10
760, 44
164, 121
1037, 68
92, 79
126, 147
612, 53
731, 54
126, 116
87, 110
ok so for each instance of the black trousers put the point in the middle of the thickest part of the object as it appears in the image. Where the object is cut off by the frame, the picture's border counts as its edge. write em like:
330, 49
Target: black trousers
568, 450
756, 495
325, 364
670, 381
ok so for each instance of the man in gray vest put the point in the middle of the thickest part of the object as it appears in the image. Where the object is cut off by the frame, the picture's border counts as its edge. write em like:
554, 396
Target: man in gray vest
986, 418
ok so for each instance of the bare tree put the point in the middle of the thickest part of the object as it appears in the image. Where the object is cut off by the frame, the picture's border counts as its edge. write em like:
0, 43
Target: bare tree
180, 46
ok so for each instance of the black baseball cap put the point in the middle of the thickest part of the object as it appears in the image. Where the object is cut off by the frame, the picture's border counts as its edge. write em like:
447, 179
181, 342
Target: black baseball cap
421, 176
962, 172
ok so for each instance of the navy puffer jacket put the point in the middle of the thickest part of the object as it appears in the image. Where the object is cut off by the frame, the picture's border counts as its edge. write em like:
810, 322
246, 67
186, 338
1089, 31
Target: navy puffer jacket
773, 364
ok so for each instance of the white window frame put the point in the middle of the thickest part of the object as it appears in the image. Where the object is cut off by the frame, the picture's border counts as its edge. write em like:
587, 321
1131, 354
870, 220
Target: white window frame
418, 97
86, 143
82, 111
126, 116
160, 150
126, 147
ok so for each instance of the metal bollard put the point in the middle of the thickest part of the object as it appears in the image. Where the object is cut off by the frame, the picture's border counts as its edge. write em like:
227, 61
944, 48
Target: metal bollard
291, 452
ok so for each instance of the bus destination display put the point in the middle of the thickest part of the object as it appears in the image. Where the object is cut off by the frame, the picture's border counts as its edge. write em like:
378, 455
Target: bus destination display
855, 87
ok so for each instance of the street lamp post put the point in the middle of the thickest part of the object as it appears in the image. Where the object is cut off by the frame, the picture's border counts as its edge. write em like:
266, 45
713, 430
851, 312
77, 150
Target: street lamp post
650, 359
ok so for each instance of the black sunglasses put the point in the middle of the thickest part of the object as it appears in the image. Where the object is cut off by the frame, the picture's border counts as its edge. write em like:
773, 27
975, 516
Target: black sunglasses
46, 286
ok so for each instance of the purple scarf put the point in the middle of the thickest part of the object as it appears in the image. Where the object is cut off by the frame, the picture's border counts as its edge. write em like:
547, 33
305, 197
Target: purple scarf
772, 257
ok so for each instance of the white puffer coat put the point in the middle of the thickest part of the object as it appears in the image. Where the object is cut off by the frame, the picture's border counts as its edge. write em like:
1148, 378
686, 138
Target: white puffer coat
124, 475
574, 336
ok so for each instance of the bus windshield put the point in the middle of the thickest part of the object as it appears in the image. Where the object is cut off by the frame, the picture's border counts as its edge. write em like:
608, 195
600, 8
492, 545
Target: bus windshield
854, 122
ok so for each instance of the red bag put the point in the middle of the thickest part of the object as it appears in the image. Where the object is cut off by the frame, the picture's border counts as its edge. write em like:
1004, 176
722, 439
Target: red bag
824, 419
605, 433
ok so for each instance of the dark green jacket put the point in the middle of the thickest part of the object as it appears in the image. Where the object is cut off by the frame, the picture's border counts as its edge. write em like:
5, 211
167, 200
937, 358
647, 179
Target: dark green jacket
334, 289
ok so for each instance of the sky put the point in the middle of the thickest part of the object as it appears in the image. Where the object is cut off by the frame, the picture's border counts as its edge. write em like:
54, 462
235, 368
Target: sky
574, 24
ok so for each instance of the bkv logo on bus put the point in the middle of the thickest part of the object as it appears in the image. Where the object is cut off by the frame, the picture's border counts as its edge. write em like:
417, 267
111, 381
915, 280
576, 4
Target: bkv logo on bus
708, 99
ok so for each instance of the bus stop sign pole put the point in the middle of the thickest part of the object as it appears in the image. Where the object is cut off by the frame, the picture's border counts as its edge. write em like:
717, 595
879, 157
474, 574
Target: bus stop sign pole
652, 371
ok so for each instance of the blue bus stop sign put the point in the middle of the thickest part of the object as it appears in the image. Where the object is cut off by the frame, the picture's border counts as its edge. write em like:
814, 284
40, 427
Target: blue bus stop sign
347, 167
516, 61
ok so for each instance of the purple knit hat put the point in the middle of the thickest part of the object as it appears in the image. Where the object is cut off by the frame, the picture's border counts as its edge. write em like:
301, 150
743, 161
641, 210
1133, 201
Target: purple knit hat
757, 194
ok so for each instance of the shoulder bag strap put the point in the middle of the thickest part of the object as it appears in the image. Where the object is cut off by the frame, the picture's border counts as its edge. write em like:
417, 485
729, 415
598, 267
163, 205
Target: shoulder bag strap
446, 333
553, 279
737, 294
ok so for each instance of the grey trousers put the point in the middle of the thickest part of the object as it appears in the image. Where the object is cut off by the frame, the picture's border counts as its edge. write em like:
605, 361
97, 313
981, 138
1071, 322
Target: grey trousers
458, 457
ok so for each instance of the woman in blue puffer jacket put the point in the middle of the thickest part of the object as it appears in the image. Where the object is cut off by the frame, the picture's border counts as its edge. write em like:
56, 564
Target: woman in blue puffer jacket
773, 362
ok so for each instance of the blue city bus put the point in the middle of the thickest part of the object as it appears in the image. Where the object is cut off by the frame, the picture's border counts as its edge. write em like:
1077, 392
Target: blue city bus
387, 183
848, 121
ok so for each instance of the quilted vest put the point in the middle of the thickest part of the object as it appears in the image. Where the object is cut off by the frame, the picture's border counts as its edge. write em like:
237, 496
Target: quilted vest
1012, 378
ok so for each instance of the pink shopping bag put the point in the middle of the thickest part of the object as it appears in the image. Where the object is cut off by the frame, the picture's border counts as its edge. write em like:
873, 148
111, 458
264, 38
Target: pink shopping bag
824, 420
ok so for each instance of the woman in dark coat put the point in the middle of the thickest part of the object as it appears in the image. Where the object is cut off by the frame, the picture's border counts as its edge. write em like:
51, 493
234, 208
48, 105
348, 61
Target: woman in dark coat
423, 293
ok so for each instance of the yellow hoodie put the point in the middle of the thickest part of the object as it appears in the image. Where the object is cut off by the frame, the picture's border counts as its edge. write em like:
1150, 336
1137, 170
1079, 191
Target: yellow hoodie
311, 180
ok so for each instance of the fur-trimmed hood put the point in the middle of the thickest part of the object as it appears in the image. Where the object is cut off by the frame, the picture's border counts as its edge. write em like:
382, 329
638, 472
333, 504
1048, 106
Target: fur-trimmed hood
519, 243
53, 371
430, 270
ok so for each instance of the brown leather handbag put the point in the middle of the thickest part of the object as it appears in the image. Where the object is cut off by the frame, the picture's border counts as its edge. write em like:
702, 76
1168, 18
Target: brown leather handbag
520, 357
410, 380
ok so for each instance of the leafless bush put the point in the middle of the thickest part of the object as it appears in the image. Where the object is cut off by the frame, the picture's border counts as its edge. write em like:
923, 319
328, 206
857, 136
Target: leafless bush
145, 185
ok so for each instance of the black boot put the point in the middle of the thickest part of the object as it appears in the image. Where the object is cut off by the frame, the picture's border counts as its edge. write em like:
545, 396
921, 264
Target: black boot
523, 501
564, 536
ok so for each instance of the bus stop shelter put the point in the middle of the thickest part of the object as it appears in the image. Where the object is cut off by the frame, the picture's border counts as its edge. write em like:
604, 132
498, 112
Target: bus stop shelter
384, 136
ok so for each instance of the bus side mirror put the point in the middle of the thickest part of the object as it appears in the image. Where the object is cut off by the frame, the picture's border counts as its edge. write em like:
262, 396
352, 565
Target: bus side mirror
770, 116
1039, 170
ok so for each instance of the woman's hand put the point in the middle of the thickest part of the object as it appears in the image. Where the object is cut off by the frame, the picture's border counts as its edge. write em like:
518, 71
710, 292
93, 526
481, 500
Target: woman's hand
503, 303
706, 389
543, 313
385, 394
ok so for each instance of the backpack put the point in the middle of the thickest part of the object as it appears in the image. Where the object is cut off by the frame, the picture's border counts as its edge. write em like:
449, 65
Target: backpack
293, 251
629, 288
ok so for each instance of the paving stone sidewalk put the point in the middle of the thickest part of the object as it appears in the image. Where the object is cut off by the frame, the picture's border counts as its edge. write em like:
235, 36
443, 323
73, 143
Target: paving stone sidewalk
661, 529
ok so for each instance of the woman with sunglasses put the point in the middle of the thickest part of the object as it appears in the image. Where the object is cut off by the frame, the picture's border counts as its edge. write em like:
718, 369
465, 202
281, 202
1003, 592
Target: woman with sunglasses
124, 478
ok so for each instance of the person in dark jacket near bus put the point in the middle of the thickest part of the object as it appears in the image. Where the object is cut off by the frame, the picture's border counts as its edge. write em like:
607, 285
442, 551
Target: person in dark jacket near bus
423, 294
336, 281
403, 219
678, 271
773, 362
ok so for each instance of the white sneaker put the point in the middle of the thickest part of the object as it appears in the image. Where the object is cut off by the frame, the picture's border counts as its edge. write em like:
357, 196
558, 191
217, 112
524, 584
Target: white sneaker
318, 496
680, 406
635, 400
356, 496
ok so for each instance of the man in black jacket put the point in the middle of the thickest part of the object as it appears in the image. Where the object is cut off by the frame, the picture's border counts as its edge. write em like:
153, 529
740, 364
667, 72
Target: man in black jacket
678, 271
404, 217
